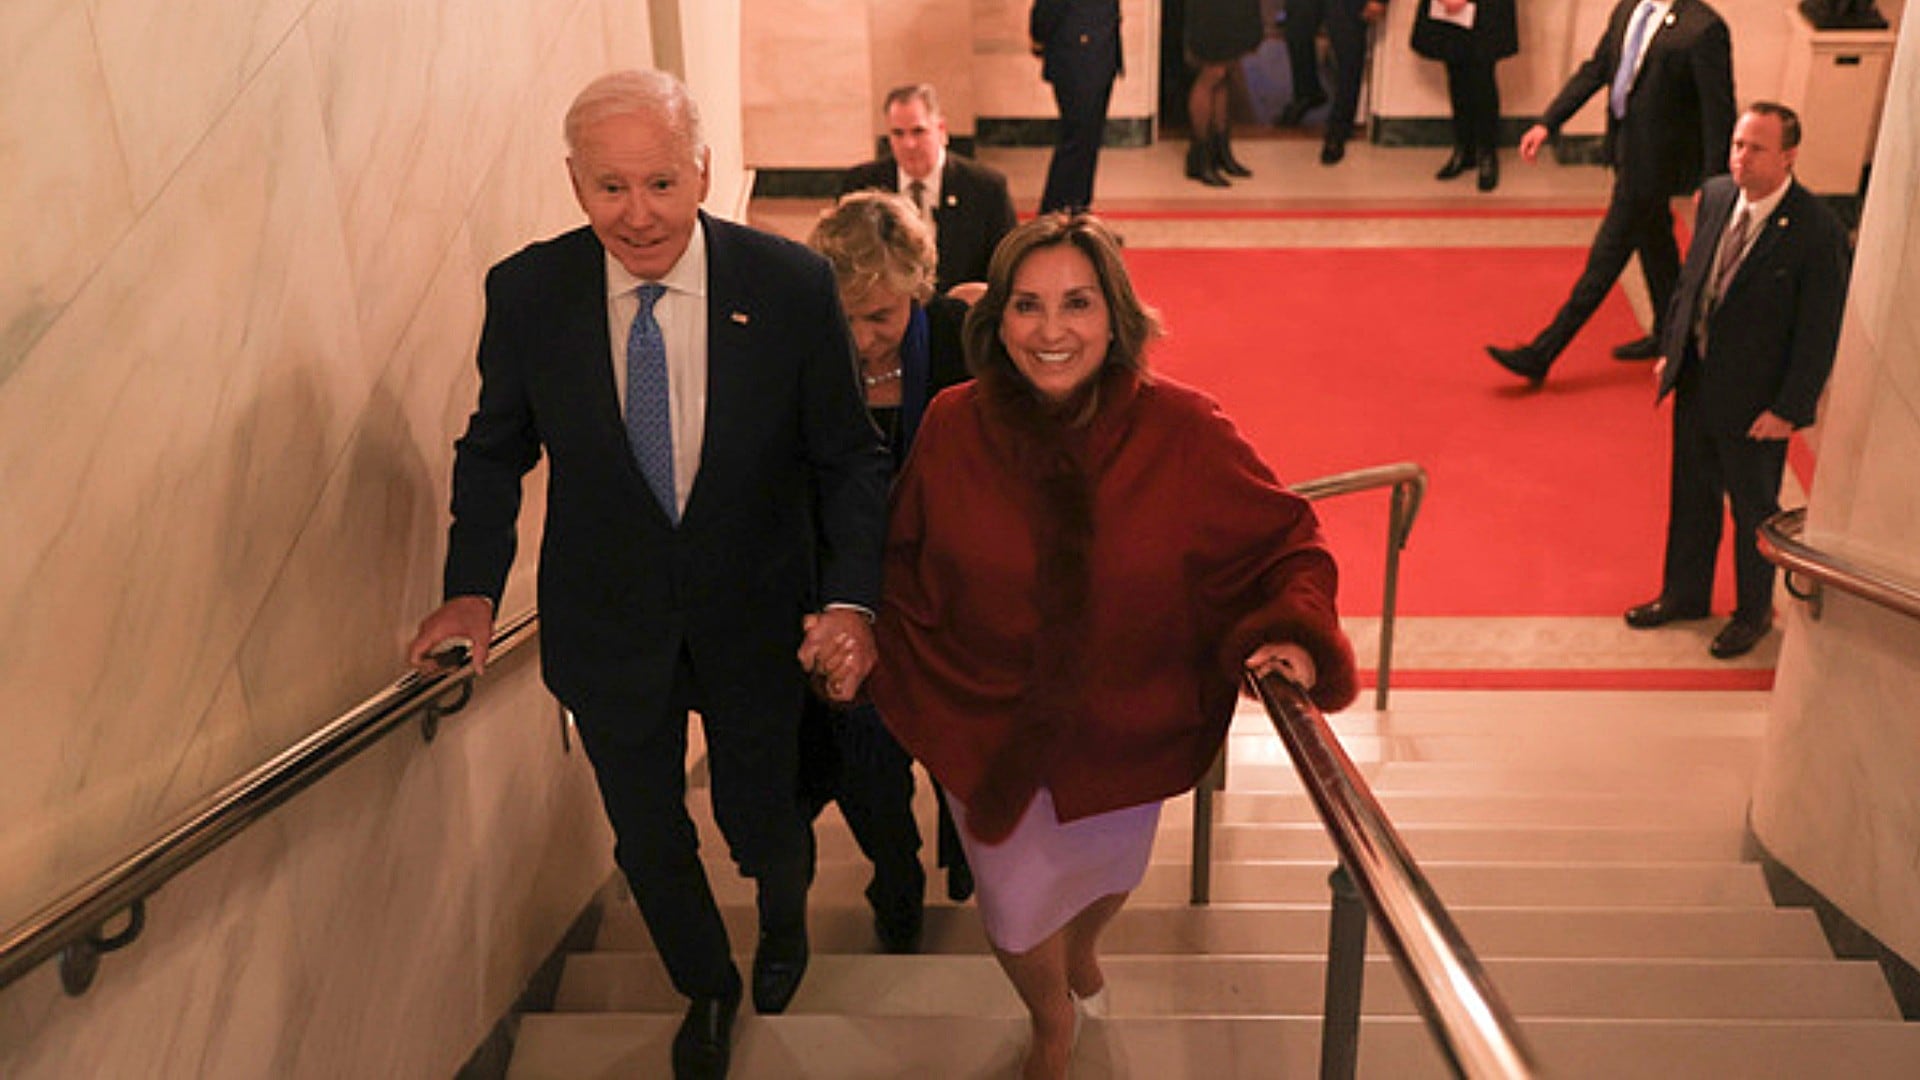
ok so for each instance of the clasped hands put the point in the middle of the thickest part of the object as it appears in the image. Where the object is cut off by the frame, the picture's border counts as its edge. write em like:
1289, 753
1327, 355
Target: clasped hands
838, 652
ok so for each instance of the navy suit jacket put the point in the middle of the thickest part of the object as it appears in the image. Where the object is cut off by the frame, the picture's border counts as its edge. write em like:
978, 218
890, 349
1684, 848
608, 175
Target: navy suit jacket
1680, 109
1771, 338
787, 511
975, 212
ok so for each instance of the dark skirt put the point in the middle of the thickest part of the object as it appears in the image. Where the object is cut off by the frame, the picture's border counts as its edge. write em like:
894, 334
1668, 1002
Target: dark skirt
1222, 30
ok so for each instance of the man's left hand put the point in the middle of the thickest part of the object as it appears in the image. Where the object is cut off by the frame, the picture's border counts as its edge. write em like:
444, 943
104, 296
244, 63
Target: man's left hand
838, 651
1768, 427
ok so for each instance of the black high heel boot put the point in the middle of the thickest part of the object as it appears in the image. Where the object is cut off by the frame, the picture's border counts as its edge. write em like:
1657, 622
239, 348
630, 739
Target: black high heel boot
1489, 171
1223, 158
1461, 161
1200, 164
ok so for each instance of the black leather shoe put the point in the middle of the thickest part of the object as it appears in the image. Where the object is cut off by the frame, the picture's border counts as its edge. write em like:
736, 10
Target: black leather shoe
1296, 110
1523, 360
1644, 348
778, 966
1489, 172
1332, 151
1737, 638
1460, 162
899, 930
960, 883
1660, 612
704, 1044
1224, 160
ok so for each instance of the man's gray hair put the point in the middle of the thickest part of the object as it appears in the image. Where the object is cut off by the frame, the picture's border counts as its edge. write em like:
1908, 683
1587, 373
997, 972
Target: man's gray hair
644, 93
921, 92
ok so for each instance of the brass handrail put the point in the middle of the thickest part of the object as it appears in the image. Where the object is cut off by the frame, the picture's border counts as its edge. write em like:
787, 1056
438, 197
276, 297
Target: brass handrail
73, 925
1473, 1026
1780, 542
1409, 484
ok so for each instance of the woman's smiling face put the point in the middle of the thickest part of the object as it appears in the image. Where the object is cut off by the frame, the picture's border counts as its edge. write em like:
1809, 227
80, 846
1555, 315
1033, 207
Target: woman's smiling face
1056, 326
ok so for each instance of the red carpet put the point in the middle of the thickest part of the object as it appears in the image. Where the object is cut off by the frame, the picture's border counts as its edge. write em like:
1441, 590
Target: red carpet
1541, 503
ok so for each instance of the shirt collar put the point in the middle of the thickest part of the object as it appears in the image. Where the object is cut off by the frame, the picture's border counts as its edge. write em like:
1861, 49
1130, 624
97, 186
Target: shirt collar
687, 275
933, 178
1763, 208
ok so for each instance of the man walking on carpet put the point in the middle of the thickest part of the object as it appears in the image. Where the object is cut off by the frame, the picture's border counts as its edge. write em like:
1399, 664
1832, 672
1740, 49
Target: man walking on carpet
1667, 66
1747, 346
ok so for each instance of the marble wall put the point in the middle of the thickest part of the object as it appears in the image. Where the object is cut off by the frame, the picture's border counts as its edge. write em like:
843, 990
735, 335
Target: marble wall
1837, 799
236, 334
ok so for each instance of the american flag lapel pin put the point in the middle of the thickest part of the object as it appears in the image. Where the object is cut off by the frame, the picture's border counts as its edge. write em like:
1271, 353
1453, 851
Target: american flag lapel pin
739, 317
953, 200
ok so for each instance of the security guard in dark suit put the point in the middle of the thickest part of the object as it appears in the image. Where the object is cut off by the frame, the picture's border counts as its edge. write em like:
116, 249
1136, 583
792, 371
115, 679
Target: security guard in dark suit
1078, 43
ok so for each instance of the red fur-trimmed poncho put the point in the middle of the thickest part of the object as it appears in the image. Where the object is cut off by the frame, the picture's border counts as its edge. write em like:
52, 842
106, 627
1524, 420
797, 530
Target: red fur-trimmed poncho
1071, 606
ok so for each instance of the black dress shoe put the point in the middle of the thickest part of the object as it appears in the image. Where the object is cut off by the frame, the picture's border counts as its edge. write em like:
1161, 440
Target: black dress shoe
1737, 638
778, 966
1644, 348
704, 1044
1660, 612
1460, 162
1489, 172
960, 883
1332, 151
1523, 360
1296, 110
899, 930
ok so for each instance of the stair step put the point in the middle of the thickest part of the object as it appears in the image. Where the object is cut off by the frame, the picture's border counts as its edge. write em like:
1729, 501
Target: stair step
1269, 929
624, 1045
1566, 884
1558, 749
1591, 808
1279, 986
1483, 778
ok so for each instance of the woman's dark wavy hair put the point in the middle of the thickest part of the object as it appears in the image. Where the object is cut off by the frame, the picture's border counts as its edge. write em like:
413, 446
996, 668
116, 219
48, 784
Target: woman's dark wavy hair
1134, 324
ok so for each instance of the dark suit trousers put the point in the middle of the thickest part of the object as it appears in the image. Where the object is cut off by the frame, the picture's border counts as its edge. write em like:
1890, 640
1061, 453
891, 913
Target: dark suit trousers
1081, 92
1636, 221
640, 764
853, 760
1475, 96
1347, 34
1710, 466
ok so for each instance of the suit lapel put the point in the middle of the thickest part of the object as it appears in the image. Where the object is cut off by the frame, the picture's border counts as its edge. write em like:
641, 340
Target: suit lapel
1773, 232
730, 320
584, 345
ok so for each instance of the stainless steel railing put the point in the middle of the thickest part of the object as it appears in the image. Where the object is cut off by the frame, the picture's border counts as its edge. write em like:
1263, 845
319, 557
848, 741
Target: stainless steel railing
1408, 482
1377, 875
73, 926
1780, 541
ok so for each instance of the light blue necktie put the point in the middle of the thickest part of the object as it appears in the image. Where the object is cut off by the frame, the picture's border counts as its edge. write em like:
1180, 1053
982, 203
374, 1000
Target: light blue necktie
1630, 59
649, 417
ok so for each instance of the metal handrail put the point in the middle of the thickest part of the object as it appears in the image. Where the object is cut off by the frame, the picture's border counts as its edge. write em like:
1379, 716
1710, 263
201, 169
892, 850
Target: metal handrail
1780, 542
1409, 483
1472, 1025
73, 924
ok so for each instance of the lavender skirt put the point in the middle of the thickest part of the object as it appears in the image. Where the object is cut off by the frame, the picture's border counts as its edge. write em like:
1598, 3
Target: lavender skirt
1035, 881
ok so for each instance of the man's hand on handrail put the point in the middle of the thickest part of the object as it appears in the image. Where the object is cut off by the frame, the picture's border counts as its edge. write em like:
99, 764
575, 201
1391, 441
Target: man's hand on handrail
464, 620
1286, 658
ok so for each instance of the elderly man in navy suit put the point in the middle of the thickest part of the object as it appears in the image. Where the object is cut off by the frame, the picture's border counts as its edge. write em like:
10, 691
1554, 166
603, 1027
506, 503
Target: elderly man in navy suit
1667, 69
1748, 344
966, 202
715, 504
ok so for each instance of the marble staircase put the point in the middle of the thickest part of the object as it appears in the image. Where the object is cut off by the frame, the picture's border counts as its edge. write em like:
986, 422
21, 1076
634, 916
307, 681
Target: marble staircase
1590, 846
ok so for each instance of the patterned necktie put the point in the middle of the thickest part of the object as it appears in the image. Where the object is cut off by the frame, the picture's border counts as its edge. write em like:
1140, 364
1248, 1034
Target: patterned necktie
649, 417
1630, 59
917, 191
1732, 246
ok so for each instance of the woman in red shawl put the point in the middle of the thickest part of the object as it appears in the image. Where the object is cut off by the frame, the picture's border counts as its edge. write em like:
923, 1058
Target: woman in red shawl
1082, 560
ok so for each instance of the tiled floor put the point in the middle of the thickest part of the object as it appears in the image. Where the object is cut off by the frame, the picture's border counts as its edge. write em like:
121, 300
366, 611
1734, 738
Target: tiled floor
1379, 197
